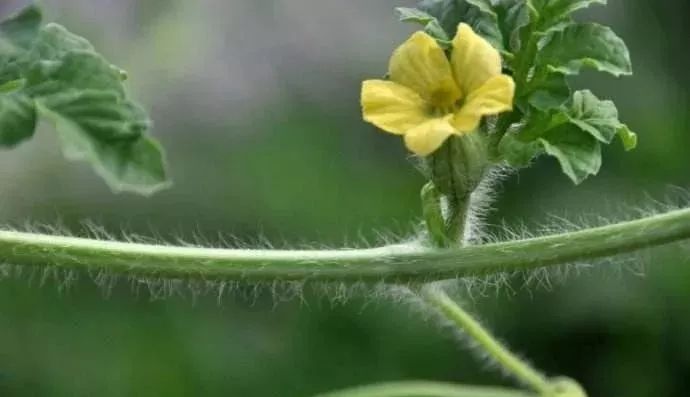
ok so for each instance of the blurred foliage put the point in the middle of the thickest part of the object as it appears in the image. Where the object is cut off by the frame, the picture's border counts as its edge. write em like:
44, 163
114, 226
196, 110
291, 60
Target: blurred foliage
257, 103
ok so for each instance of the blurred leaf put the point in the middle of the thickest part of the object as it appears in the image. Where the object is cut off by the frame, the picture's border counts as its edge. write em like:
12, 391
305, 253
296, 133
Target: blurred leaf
628, 137
578, 153
83, 94
548, 90
17, 118
18, 31
475, 13
512, 16
554, 12
585, 44
430, 24
516, 152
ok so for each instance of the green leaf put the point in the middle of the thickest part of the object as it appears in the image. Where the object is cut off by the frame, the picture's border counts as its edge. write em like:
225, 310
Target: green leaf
475, 13
548, 90
126, 165
102, 114
54, 42
585, 44
17, 119
512, 16
80, 70
430, 23
628, 138
516, 152
578, 153
19, 30
553, 12
84, 95
537, 123
594, 116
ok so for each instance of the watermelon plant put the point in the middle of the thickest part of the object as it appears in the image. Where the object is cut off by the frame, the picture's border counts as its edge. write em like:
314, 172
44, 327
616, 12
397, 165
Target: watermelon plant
480, 90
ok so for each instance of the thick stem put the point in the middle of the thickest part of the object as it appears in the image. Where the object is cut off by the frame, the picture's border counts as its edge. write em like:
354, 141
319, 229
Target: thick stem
508, 361
425, 389
404, 262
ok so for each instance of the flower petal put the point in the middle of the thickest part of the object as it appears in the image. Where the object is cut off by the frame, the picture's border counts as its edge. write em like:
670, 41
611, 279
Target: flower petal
391, 106
474, 60
425, 138
420, 64
493, 97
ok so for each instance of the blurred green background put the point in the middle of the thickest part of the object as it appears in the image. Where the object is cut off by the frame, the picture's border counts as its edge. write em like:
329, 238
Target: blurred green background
257, 105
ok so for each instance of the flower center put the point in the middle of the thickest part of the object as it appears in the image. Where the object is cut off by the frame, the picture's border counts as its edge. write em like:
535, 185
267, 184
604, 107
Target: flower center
443, 97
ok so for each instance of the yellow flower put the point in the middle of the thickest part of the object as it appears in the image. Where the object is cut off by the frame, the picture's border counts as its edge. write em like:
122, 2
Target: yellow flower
428, 98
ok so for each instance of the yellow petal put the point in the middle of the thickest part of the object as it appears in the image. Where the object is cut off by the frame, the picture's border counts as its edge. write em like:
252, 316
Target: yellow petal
420, 64
425, 138
493, 97
392, 107
474, 60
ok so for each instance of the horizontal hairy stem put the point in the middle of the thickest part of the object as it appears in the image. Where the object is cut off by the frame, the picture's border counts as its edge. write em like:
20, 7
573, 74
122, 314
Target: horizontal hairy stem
425, 389
404, 262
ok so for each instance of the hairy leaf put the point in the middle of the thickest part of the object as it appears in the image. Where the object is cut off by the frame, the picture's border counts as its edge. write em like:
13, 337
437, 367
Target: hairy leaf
578, 153
585, 44
17, 118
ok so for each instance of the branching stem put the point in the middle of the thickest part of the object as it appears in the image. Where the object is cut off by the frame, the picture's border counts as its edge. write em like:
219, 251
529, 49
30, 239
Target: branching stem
403, 262
508, 361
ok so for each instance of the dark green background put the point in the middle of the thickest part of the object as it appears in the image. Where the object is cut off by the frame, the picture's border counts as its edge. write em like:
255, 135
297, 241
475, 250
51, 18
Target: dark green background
257, 104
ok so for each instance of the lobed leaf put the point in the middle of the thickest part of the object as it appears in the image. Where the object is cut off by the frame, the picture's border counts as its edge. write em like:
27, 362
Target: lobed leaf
578, 154
55, 73
585, 44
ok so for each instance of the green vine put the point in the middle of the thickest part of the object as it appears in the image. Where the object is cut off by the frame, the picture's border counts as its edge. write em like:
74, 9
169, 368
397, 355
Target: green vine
482, 86
394, 263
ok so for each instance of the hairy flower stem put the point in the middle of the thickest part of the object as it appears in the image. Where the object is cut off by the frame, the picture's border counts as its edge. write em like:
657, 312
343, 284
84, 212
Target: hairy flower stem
508, 361
393, 263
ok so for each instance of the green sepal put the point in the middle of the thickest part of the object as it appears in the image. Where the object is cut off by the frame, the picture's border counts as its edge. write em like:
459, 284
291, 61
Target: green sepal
433, 215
